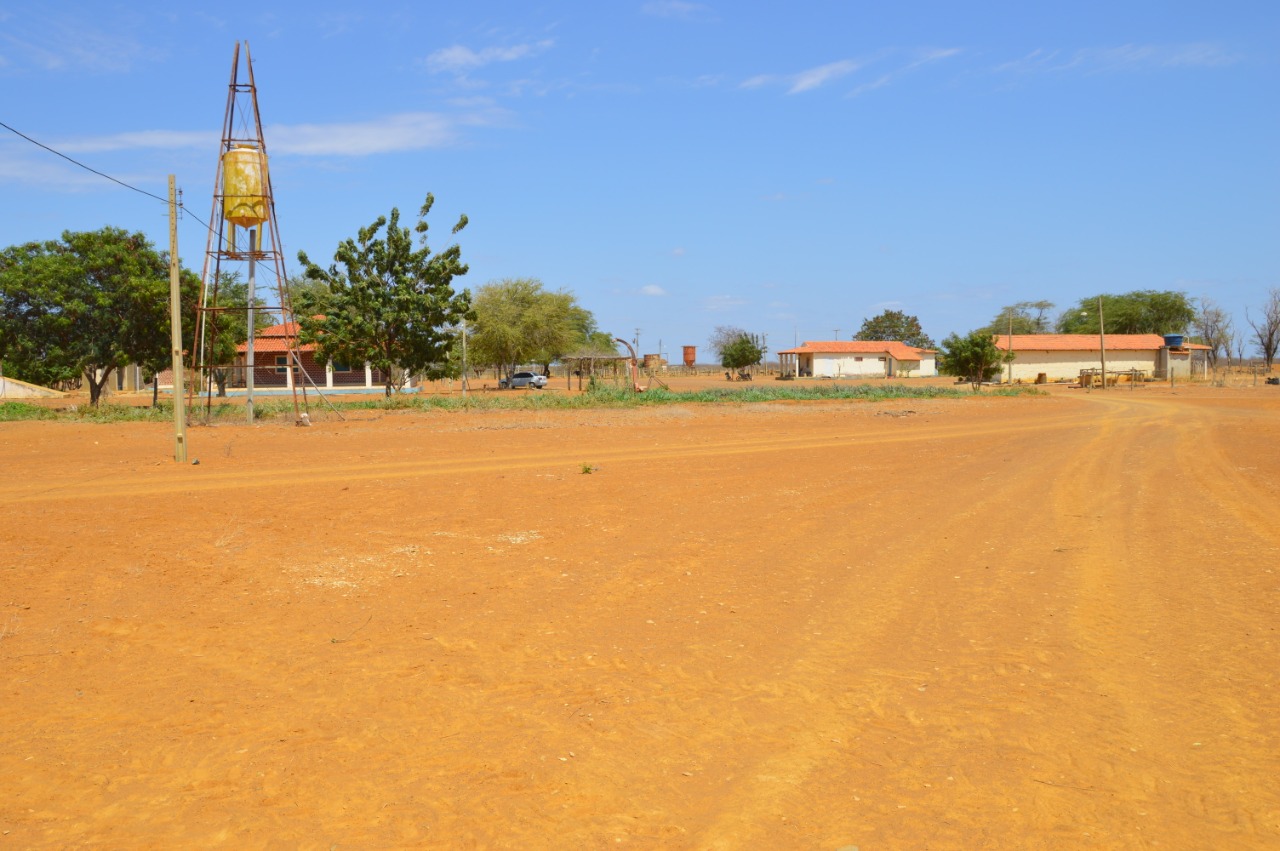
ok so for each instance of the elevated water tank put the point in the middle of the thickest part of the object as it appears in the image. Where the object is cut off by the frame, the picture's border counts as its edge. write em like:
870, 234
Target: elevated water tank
690, 355
244, 201
1173, 341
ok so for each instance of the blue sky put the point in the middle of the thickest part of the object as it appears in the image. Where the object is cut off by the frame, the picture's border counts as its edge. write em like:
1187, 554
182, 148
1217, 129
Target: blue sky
788, 168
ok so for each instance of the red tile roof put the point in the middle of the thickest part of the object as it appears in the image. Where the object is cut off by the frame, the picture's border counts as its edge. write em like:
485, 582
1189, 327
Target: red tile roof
276, 339
1084, 342
899, 351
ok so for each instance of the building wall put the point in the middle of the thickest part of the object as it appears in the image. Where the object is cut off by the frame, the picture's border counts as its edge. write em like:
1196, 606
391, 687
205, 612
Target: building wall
871, 366
849, 366
926, 367
1067, 365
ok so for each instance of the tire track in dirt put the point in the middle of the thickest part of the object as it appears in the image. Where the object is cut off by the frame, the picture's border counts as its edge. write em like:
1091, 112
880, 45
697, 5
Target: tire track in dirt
167, 481
867, 691
1149, 603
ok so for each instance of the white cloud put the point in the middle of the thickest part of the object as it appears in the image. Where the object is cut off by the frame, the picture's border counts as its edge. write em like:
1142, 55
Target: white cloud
406, 132
459, 59
652, 290
717, 303
806, 80
66, 43
823, 74
141, 139
881, 306
49, 172
923, 58
1125, 57
409, 131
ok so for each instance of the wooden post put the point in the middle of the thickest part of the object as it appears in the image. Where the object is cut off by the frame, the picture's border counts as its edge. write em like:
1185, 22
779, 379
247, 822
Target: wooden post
175, 332
1102, 343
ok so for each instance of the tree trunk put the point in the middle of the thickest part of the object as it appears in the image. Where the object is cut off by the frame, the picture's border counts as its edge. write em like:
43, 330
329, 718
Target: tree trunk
155, 391
97, 386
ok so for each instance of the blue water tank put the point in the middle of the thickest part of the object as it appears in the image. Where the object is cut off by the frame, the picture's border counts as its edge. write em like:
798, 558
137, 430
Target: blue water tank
1173, 341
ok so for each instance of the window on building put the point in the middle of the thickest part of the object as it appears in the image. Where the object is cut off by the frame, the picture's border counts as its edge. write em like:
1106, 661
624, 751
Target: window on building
282, 363
339, 366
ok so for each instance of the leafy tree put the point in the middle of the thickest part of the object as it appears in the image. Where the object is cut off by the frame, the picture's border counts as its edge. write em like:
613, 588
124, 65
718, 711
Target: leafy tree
232, 326
1266, 331
517, 321
600, 343
1213, 328
974, 357
158, 360
736, 348
84, 306
316, 292
390, 305
895, 325
1025, 317
1137, 312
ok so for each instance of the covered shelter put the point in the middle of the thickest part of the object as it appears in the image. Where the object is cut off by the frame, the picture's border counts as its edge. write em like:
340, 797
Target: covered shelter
856, 359
585, 363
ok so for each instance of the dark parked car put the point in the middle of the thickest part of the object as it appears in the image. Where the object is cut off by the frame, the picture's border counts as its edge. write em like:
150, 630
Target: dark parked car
525, 379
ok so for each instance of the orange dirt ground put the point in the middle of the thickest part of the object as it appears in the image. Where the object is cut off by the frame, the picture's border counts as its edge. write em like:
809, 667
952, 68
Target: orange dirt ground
1039, 622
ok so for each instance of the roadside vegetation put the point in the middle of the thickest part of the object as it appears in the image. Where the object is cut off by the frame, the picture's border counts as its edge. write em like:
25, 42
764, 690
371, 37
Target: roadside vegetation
601, 397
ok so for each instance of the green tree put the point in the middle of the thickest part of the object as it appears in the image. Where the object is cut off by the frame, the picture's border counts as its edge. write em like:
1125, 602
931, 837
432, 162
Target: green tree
895, 325
82, 307
974, 357
1025, 317
736, 348
518, 322
391, 305
232, 326
300, 287
159, 359
1137, 312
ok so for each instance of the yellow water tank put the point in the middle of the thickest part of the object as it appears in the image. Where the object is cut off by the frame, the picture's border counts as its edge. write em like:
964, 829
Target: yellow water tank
244, 201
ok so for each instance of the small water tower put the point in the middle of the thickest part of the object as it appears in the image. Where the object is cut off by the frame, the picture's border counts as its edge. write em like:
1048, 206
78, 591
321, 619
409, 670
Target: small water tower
244, 201
690, 356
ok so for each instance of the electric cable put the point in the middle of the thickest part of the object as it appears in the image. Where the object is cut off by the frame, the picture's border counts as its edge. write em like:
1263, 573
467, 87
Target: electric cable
82, 165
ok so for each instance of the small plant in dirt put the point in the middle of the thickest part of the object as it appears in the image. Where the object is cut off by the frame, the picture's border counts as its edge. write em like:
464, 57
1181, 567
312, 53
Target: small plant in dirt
587, 469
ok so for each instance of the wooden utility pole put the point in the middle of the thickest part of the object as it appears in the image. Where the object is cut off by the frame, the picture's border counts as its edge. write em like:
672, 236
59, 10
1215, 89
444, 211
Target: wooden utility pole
175, 332
1010, 352
1102, 343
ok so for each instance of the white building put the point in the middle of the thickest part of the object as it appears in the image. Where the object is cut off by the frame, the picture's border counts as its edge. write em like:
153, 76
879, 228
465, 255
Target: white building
1062, 357
857, 359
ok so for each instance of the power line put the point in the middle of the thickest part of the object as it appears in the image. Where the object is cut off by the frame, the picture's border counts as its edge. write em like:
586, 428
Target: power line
82, 165
101, 174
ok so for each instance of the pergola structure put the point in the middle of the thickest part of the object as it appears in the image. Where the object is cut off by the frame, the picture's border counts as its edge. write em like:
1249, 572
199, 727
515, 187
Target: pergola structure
586, 363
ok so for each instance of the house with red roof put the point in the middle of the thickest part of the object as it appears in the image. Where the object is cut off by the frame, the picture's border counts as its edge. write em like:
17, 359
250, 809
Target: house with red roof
857, 359
1059, 357
271, 366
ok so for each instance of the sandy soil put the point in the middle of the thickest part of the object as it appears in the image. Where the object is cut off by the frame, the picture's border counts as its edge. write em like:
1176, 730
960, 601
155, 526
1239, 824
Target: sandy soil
1041, 622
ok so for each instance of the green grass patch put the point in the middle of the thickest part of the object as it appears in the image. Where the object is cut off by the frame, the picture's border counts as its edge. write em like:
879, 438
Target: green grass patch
14, 411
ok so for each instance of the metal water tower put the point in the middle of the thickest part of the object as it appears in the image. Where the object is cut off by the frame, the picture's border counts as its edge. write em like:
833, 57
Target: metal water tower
243, 229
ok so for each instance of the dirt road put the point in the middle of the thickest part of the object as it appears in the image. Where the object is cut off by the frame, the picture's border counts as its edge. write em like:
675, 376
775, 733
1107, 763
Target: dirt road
986, 623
